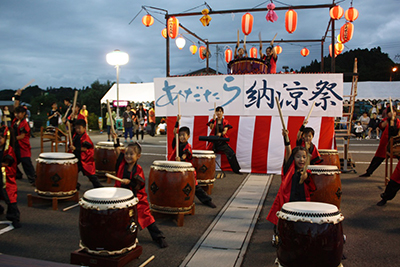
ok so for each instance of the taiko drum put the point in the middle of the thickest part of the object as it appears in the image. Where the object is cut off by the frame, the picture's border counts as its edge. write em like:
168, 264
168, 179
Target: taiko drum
328, 183
204, 163
171, 186
330, 157
108, 221
57, 174
105, 158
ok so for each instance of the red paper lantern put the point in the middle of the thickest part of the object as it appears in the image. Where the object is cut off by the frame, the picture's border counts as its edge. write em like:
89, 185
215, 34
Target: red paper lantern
147, 20
202, 50
173, 27
330, 50
228, 55
247, 23
346, 32
291, 21
278, 49
304, 52
193, 49
351, 14
253, 52
336, 12
164, 33
339, 48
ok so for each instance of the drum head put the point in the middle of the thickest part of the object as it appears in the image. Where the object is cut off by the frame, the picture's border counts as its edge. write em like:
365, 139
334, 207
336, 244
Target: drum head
107, 144
56, 155
327, 151
172, 166
313, 212
108, 198
207, 152
323, 169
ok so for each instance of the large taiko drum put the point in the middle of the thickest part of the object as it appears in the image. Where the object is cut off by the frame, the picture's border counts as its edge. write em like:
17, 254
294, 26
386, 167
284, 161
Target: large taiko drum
171, 186
57, 174
247, 66
204, 163
330, 157
105, 158
328, 183
310, 235
108, 221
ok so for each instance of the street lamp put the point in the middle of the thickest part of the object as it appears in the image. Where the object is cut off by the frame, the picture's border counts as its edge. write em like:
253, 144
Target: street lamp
117, 58
394, 69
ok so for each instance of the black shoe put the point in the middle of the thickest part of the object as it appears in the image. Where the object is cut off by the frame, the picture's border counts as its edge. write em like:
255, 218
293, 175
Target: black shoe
365, 175
381, 203
16, 224
78, 186
210, 204
161, 242
1, 209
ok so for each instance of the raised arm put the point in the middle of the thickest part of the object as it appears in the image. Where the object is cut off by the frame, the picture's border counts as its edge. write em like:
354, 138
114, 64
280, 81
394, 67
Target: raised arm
288, 148
178, 119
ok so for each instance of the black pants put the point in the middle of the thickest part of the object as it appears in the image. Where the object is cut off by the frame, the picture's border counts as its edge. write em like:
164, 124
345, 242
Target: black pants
28, 168
152, 128
391, 190
155, 232
202, 195
93, 178
375, 162
141, 133
230, 154
12, 208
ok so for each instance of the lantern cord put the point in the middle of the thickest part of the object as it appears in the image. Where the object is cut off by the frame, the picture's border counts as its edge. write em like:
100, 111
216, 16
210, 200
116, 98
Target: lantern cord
205, 4
263, 3
136, 16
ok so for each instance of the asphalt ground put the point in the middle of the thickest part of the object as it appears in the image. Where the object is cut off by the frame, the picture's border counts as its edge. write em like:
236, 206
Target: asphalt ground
373, 233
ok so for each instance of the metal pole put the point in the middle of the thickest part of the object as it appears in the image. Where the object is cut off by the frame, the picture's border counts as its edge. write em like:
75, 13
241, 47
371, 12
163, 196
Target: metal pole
217, 61
322, 56
167, 41
207, 57
333, 47
117, 66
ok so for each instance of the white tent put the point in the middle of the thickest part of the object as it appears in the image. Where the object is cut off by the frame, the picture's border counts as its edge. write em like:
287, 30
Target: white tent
374, 90
136, 92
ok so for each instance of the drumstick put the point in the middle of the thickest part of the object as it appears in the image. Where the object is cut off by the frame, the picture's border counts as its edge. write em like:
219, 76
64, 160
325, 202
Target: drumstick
280, 112
215, 112
309, 113
238, 37
71, 207
113, 177
147, 261
29, 83
111, 119
391, 107
244, 42
177, 132
273, 39
69, 133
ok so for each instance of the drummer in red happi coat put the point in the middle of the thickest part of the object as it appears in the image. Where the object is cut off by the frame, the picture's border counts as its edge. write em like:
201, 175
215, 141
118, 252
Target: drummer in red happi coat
304, 138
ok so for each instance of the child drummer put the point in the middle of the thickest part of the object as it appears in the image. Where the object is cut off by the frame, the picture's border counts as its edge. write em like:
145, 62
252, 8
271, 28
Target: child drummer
133, 179
8, 185
296, 181
82, 147
185, 154
304, 138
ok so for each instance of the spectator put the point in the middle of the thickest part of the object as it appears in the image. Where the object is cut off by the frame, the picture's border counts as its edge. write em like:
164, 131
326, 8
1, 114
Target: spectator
7, 116
84, 112
162, 127
68, 104
28, 119
108, 122
358, 130
54, 116
152, 120
364, 119
373, 126
128, 123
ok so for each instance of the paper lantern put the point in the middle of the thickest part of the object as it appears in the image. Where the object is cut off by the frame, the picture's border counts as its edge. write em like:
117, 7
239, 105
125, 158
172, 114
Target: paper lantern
202, 50
147, 20
338, 38
173, 27
193, 49
330, 50
164, 33
205, 19
346, 32
339, 48
228, 55
253, 52
291, 21
336, 12
247, 23
180, 42
351, 14
278, 49
304, 52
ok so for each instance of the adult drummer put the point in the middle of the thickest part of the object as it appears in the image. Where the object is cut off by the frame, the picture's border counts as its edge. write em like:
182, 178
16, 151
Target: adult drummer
219, 127
270, 57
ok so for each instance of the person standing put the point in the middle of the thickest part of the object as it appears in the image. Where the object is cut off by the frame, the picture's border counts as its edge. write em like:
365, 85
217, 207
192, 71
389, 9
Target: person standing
54, 115
84, 112
152, 120
270, 58
68, 105
7, 116
128, 122
108, 122
141, 114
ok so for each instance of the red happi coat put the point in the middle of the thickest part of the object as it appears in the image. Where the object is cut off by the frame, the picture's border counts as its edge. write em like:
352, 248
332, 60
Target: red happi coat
86, 157
144, 215
80, 117
315, 156
24, 143
11, 170
189, 155
213, 132
285, 190
381, 151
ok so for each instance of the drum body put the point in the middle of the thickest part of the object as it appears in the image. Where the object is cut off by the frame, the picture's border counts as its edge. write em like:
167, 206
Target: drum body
171, 186
247, 66
330, 157
310, 235
328, 183
108, 221
105, 158
204, 163
57, 174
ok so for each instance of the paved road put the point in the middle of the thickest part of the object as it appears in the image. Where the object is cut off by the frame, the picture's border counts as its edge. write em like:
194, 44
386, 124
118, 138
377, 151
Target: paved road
373, 233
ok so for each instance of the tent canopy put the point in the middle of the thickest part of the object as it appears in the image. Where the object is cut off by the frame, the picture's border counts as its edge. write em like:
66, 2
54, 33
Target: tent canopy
135, 92
374, 90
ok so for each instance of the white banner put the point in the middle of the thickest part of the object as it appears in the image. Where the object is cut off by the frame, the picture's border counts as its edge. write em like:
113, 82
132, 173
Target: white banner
251, 94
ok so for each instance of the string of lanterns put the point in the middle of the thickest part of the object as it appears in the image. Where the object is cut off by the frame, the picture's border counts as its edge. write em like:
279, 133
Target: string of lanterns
336, 13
